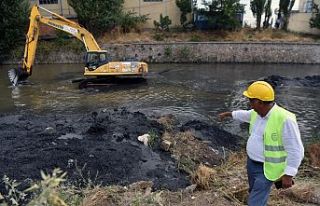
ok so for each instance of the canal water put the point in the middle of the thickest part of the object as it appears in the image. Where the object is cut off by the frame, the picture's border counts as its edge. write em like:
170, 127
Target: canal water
189, 91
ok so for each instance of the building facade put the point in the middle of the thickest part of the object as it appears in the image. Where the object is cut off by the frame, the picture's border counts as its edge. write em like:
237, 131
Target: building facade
152, 8
60, 7
299, 20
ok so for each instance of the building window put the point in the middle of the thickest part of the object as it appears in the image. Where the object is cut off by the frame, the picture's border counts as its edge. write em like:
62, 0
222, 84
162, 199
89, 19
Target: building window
48, 1
151, 0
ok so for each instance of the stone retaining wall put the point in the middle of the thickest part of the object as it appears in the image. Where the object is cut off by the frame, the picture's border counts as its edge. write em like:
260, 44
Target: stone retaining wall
194, 52
219, 52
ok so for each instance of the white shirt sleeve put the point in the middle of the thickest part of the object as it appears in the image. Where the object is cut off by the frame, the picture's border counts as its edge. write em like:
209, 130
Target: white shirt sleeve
242, 115
293, 145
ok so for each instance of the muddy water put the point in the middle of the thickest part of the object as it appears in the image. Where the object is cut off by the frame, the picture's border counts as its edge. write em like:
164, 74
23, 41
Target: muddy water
189, 91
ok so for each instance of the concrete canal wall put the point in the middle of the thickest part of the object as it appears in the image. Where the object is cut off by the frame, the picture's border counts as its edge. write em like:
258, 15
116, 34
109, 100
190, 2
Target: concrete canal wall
196, 52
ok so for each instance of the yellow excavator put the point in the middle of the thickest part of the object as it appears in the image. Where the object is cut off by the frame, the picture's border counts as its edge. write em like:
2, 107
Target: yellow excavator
96, 60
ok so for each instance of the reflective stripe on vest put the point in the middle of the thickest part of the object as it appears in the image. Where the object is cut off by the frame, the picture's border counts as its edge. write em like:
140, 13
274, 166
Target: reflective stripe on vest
274, 152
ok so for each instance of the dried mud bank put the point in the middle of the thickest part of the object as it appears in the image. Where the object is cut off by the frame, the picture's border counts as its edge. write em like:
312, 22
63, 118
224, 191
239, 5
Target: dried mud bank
196, 52
102, 146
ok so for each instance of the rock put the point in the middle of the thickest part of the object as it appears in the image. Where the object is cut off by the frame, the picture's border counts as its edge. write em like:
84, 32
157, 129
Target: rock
71, 163
144, 138
165, 145
70, 136
49, 130
190, 189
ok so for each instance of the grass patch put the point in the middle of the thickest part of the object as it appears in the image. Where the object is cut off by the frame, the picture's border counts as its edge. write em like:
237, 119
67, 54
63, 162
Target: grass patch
244, 34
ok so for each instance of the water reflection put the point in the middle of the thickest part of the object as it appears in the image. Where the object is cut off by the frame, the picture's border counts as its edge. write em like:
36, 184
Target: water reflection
16, 97
189, 91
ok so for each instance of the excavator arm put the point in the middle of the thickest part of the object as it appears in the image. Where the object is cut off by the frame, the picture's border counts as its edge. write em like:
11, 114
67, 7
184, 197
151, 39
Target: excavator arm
56, 21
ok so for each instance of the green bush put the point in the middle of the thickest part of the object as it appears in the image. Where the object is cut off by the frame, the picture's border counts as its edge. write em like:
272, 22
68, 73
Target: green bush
164, 23
129, 20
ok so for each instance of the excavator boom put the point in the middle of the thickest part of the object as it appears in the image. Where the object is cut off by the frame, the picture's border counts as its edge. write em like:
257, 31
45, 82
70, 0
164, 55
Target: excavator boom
101, 67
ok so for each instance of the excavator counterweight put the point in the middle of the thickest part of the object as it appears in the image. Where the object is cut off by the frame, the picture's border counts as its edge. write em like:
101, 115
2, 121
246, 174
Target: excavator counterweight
98, 62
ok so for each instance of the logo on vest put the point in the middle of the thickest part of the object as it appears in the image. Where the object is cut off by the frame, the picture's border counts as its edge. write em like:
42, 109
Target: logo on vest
274, 136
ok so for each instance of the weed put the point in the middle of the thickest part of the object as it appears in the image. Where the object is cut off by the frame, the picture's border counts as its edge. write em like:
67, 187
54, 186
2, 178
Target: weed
186, 164
184, 52
14, 196
168, 51
159, 37
203, 176
48, 189
168, 121
195, 38
88, 182
154, 137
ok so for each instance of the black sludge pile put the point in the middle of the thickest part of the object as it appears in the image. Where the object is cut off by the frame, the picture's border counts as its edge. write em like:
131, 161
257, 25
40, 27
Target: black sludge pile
308, 81
101, 146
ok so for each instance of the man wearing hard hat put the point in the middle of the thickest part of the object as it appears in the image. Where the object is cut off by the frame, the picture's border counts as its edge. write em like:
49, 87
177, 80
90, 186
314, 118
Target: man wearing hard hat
274, 147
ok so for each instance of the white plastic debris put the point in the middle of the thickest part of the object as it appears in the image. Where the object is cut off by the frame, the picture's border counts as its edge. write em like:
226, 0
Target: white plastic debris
144, 138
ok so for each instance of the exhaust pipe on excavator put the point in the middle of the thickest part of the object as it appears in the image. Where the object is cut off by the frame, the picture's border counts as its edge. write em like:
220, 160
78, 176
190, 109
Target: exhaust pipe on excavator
17, 75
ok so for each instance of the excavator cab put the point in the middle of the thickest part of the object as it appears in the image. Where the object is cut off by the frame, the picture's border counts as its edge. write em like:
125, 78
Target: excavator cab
94, 59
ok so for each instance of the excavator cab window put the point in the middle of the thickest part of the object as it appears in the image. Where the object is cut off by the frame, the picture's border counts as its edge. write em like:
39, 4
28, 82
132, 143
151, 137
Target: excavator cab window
95, 59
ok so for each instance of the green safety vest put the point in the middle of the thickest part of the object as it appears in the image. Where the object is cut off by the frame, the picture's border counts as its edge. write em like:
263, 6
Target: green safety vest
274, 152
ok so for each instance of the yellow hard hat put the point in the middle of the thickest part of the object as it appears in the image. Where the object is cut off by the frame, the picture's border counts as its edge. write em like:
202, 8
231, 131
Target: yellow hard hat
260, 90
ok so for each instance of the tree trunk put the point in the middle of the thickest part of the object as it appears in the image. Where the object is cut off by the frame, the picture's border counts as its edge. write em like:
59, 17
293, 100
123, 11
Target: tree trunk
258, 21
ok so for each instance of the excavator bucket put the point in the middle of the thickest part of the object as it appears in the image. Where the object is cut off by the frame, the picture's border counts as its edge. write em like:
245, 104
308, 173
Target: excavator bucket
16, 75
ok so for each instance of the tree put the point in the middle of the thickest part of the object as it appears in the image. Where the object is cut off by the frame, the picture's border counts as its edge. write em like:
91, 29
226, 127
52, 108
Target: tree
285, 7
185, 8
257, 8
98, 16
267, 14
222, 14
315, 19
13, 24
